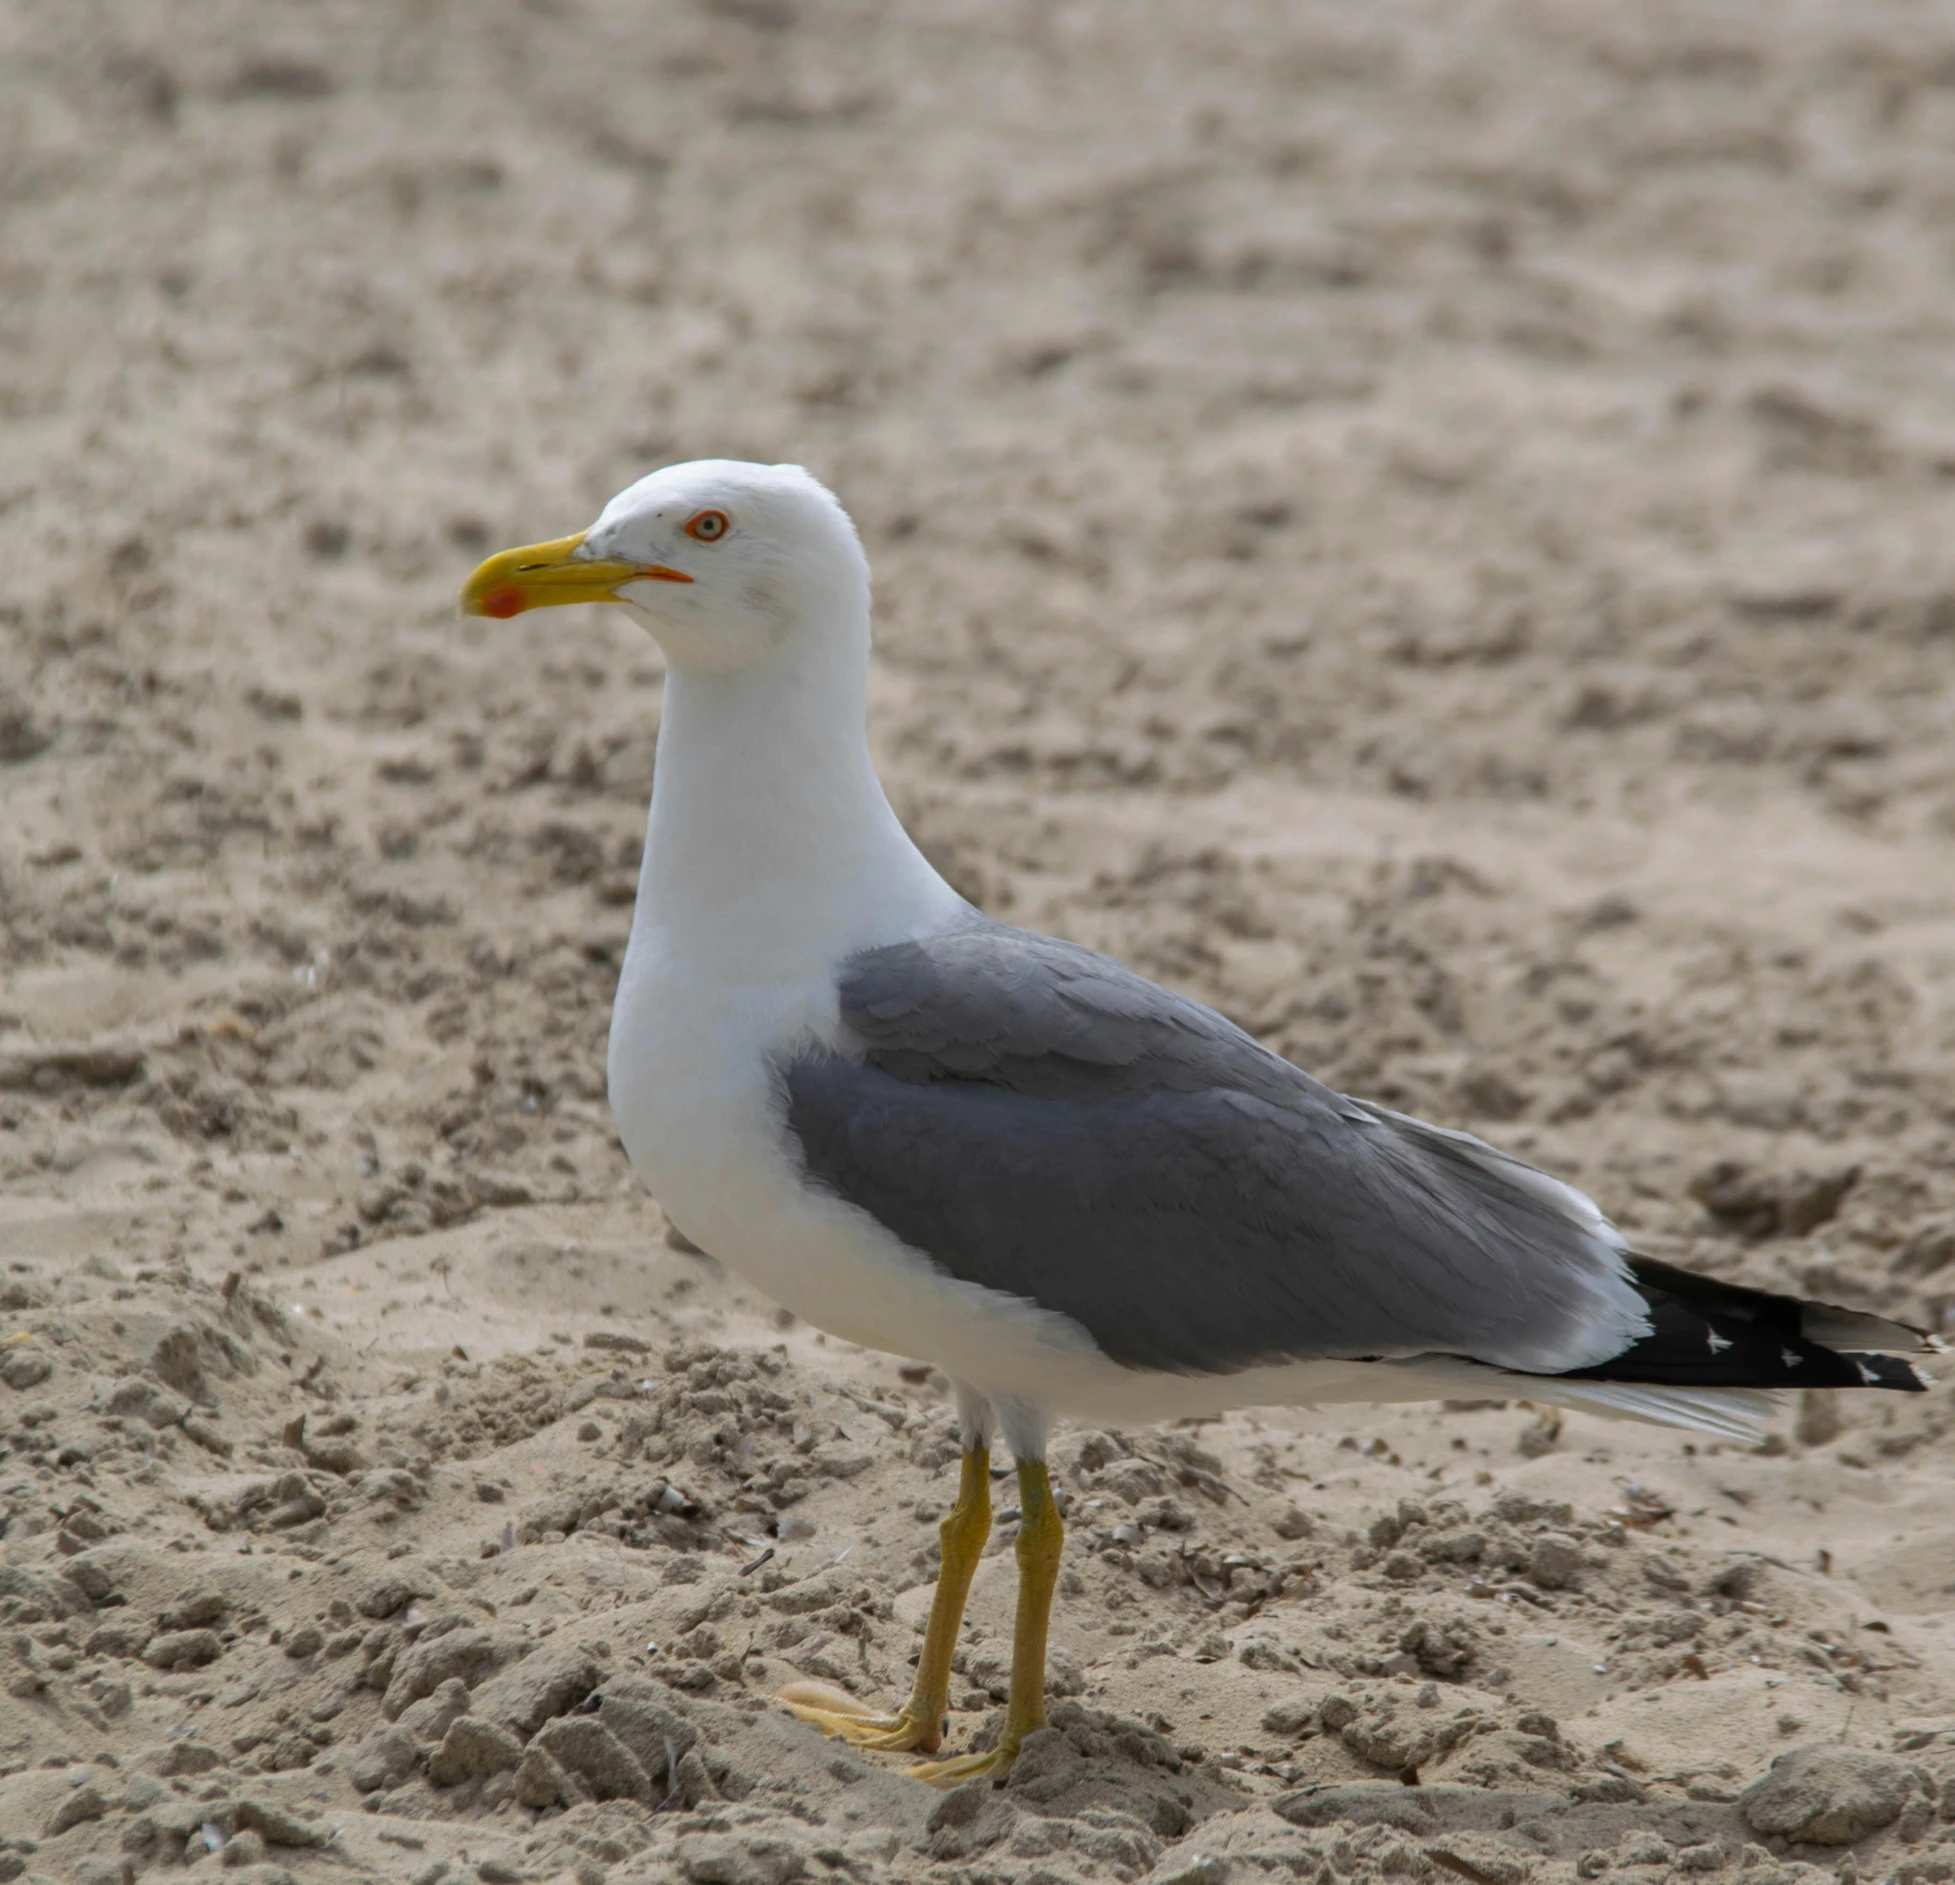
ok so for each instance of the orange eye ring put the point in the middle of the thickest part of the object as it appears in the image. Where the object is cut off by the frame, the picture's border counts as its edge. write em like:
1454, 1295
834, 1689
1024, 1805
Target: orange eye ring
709, 526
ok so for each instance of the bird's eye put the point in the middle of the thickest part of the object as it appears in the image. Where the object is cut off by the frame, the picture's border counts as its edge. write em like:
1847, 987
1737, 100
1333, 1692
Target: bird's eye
708, 527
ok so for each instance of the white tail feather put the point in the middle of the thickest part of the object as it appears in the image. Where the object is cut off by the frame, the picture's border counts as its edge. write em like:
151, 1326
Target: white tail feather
1740, 1414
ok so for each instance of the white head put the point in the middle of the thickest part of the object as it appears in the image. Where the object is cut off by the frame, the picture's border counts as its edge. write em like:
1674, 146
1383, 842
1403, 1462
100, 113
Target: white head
727, 563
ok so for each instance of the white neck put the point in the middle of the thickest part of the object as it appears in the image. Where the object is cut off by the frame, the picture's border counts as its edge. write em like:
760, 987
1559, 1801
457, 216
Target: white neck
772, 851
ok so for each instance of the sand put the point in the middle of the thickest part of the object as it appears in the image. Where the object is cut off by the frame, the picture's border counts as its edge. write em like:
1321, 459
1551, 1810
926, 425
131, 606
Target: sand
1428, 527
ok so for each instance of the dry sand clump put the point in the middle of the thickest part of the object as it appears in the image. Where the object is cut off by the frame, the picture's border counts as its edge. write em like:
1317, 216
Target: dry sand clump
1428, 529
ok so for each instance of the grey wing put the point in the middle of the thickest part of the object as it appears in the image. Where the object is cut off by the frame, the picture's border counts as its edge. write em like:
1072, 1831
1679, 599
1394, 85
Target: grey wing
1039, 1120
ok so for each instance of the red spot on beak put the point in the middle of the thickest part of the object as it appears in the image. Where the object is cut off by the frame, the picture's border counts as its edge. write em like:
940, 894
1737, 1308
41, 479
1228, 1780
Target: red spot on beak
503, 603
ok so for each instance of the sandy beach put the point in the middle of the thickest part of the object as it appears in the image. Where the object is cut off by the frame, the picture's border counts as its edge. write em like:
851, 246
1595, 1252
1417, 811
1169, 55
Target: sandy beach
1430, 528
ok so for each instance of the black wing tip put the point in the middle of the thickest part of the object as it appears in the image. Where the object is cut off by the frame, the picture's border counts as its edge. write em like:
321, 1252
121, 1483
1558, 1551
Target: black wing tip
1707, 1333
1771, 1307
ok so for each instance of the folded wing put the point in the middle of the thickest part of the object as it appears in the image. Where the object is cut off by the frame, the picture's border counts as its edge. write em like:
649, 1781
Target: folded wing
1040, 1120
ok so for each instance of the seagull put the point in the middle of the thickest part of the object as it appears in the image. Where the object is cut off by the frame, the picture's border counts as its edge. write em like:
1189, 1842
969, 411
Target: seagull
1077, 1193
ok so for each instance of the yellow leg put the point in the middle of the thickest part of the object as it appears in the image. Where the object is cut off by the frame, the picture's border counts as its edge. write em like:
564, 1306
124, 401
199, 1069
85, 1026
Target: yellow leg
1040, 1538
919, 1726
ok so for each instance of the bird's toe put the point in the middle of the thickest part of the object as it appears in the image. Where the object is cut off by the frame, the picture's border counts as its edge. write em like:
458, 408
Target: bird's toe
902, 1733
953, 1773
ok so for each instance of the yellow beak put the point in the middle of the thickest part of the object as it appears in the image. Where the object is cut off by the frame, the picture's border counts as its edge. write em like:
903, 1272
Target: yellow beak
542, 575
